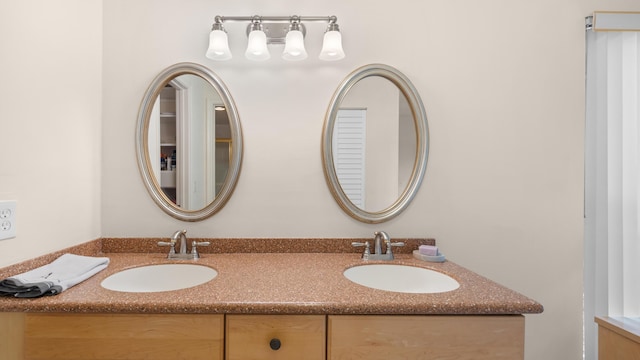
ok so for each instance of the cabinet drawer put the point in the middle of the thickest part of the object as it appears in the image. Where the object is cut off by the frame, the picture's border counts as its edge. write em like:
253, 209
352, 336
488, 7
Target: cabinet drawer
426, 337
119, 337
258, 336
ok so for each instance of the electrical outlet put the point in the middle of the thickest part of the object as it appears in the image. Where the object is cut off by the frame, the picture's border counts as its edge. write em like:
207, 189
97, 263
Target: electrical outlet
7, 219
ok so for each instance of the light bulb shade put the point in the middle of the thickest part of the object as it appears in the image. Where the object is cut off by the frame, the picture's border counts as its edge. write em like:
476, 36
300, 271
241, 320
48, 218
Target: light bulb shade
257, 46
218, 46
294, 46
332, 46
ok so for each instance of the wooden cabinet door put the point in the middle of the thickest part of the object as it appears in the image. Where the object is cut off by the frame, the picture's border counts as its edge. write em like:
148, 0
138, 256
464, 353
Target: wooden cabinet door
271, 337
123, 336
11, 336
618, 339
425, 337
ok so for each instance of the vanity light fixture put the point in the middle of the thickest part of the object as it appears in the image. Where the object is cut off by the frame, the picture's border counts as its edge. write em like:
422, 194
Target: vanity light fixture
294, 42
264, 30
332, 44
257, 46
218, 43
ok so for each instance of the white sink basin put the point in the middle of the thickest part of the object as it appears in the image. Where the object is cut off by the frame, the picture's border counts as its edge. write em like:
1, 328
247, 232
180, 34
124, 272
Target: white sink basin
401, 278
163, 277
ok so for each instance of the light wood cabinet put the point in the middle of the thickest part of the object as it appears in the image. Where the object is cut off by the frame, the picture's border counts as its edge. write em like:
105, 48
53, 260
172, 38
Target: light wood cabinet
12, 336
118, 337
618, 339
280, 337
40, 336
425, 337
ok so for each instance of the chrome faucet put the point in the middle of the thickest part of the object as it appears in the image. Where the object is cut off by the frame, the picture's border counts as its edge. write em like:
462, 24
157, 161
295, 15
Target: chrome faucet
379, 237
181, 236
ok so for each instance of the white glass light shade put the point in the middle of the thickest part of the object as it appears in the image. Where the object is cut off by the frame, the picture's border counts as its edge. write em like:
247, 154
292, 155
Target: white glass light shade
218, 46
332, 46
294, 46
257, 46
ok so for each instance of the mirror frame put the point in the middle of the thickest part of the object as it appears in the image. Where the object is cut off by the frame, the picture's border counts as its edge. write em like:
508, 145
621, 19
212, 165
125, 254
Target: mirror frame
422, 142
142, 141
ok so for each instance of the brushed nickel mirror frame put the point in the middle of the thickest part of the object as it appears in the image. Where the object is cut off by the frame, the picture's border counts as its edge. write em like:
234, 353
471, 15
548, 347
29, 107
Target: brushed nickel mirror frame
142, 142
422, 141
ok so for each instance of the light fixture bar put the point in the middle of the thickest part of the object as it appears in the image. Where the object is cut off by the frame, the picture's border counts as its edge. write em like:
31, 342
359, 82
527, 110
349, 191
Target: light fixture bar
276, 31
265, 30
329, 19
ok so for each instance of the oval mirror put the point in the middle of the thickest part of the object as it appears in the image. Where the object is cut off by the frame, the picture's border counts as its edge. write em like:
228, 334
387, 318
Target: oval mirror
375, 143
189, 142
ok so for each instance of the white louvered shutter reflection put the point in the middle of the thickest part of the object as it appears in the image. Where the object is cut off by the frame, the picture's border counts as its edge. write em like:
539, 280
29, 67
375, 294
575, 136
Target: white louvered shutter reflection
349, 147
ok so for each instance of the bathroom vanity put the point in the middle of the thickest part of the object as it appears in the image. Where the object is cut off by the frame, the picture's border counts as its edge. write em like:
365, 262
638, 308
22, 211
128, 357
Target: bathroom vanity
53, 336
265, 305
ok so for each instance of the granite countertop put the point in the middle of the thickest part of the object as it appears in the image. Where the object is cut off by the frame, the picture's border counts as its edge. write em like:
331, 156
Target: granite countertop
270, 283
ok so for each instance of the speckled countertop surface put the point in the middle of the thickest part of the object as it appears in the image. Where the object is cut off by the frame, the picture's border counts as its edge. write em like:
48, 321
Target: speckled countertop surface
271, 283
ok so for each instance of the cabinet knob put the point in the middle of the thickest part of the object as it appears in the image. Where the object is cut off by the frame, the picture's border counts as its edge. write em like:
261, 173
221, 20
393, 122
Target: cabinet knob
275, 344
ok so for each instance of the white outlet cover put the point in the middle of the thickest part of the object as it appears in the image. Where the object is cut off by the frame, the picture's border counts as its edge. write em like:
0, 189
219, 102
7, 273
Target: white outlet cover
5, 213
5, 225
7, 219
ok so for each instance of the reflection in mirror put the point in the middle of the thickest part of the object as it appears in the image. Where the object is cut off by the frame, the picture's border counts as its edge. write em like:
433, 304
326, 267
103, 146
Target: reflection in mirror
188, 126
375, 143
189, 142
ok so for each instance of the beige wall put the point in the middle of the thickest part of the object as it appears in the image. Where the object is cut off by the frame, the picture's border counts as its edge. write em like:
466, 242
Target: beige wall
503, 85
502, 82
50, 123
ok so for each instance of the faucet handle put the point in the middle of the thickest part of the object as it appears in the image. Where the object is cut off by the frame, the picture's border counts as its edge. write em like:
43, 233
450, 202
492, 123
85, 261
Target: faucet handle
367, 250
194, 249
391, 244
170, 243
